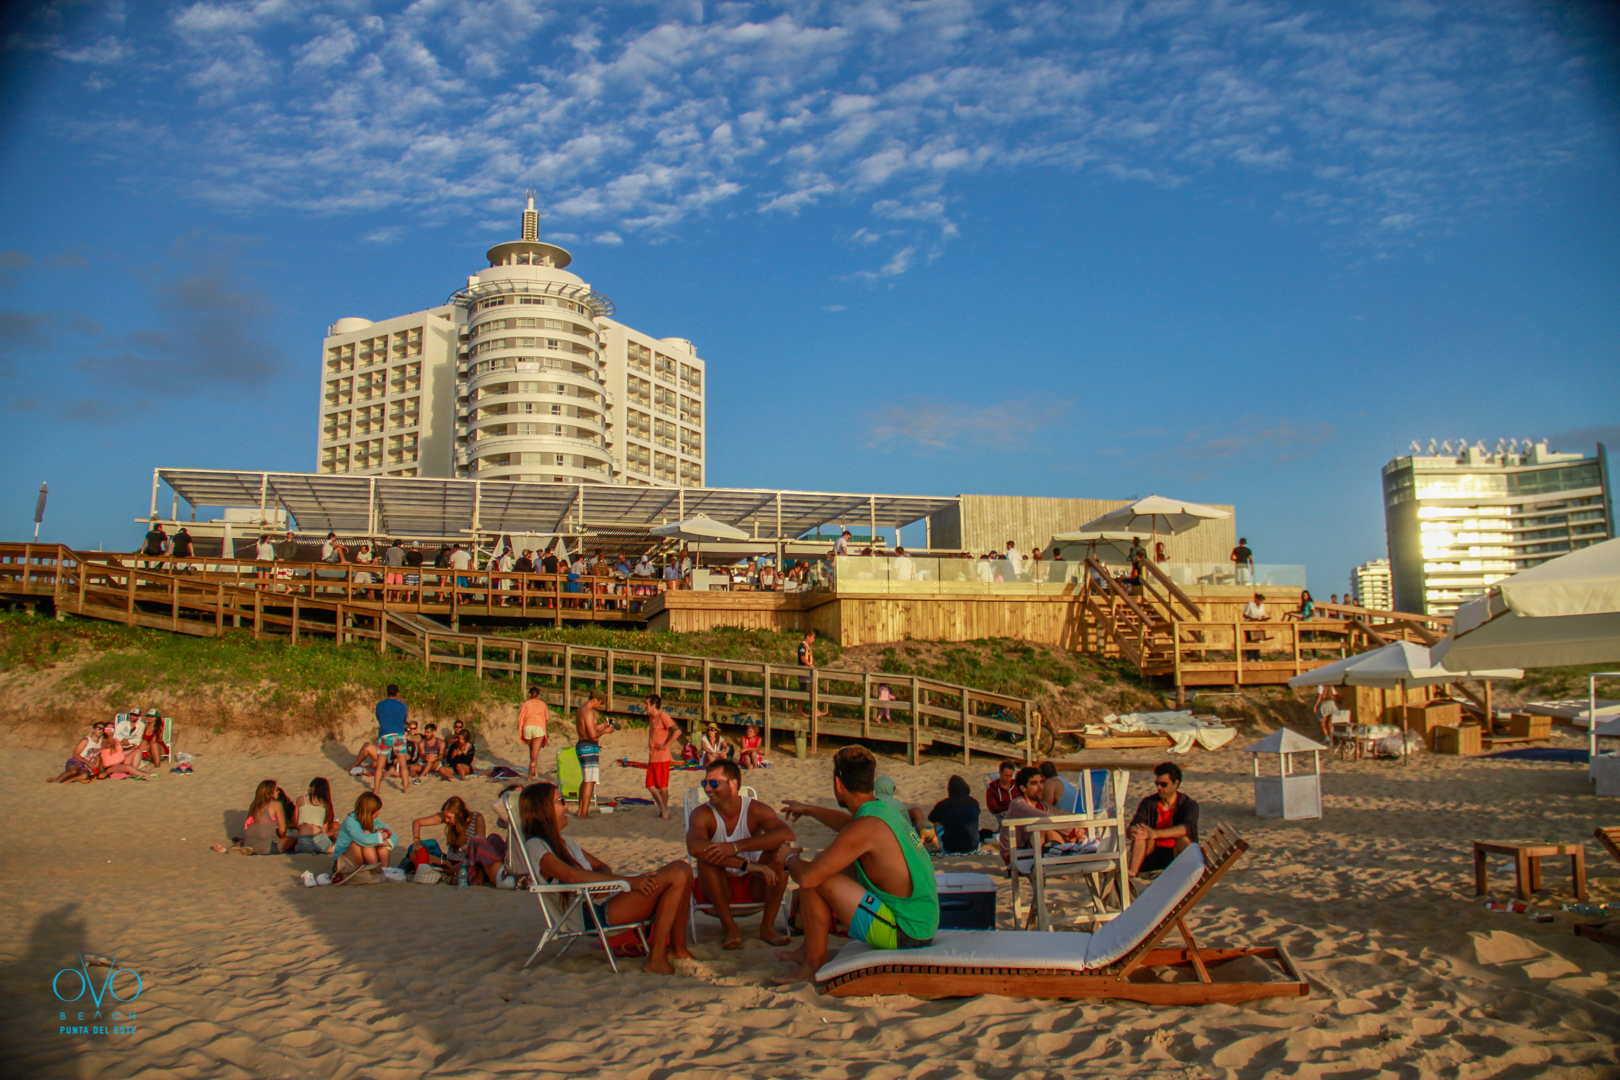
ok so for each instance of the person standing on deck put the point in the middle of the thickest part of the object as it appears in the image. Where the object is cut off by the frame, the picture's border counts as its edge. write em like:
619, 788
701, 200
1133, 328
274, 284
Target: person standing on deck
1015, 561
1242, 562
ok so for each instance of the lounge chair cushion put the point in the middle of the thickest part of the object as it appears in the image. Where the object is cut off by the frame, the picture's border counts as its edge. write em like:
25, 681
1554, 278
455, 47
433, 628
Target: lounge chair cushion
1049, 950
1037, 950
1126, 931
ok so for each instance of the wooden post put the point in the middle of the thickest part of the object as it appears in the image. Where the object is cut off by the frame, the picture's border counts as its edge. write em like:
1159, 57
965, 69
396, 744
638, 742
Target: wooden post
129, 596
568, 675
478, 658
382, 633
1032, 724
219, 606
765, 705
967, 714
523, 670
427, 651
1237, 653
82, 573
916, 724
174, 603
258, 614
866, 705
295, 619
704, 712
609, 663
658, 675
338, 634
815, 709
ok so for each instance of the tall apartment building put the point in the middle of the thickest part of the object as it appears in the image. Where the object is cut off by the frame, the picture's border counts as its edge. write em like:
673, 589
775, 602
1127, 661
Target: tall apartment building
524, 374
1459, 521
1370, 585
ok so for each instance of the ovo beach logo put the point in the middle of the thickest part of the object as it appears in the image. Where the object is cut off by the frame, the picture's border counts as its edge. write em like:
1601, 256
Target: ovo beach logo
74, 984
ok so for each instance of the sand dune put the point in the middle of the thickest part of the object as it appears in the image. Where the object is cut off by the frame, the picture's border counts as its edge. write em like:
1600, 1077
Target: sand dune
246, 974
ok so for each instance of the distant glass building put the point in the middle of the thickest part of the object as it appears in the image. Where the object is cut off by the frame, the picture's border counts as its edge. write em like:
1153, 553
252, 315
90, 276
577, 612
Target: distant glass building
1459, 521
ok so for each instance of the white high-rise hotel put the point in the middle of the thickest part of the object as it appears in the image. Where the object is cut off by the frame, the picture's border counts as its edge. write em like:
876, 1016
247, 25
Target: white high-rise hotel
522, 375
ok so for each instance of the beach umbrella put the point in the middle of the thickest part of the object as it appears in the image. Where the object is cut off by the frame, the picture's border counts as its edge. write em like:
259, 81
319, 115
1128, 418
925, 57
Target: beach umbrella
1565, 611
1155, 515
695, 530
1395, 666
1098, 542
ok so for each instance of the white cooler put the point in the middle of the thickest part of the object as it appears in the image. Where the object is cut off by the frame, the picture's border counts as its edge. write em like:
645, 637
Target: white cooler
966, 901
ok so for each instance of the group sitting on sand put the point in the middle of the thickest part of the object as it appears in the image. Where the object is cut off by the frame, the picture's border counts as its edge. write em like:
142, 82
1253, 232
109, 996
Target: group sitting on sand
411, 754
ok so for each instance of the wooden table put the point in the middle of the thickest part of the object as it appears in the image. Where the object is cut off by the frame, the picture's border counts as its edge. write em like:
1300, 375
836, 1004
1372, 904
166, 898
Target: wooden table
1526, 856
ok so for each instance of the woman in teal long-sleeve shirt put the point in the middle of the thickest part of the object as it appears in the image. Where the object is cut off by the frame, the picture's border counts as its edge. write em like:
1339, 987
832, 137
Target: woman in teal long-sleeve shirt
363, 839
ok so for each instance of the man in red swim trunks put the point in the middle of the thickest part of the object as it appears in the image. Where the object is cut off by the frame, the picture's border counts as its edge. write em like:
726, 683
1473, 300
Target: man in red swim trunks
661, 733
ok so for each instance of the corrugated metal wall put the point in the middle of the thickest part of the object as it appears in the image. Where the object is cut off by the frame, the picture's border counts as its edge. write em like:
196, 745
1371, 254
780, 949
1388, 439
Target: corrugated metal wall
987, 522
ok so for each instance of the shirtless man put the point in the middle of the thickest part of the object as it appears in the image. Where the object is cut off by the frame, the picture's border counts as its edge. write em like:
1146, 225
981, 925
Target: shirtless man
875, 879
590, 730
534, 718
740, 846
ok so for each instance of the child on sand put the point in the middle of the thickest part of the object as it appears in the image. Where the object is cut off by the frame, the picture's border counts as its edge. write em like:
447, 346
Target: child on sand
363, 840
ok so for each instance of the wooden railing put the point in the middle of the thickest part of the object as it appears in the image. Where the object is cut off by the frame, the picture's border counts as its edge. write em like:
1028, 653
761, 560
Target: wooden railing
817, 703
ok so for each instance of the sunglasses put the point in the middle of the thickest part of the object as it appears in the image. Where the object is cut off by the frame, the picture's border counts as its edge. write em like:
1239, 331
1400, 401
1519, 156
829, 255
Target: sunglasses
1161, 783
711, 785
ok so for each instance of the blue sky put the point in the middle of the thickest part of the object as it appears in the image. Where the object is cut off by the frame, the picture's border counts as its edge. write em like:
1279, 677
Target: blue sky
1236, 252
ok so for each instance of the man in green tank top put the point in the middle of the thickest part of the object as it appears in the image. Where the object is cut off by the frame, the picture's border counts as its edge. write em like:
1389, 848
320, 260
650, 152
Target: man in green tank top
875, 879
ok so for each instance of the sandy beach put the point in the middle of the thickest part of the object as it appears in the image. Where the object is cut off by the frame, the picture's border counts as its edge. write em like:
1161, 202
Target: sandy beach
246, 974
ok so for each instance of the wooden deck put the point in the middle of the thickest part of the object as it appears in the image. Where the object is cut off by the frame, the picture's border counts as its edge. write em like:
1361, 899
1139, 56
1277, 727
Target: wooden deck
335, 603
1188, 637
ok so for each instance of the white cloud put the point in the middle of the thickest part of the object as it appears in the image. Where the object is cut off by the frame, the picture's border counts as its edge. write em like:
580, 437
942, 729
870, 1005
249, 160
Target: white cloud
1393, 121
924, 425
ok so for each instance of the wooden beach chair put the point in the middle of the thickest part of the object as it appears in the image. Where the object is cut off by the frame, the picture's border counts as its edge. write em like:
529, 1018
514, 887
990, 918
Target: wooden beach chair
577, 919
693, 799
1110, 858
1110, 964
1607, 932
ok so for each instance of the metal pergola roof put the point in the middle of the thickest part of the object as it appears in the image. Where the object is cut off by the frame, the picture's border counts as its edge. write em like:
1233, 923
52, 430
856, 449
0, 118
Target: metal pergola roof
430, 508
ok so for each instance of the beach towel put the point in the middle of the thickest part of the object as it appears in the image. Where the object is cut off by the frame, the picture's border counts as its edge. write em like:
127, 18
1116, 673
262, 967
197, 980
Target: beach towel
1184, 729
1543, 753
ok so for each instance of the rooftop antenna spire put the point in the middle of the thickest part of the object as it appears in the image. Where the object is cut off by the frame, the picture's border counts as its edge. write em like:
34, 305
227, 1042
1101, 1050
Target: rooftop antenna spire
531, 220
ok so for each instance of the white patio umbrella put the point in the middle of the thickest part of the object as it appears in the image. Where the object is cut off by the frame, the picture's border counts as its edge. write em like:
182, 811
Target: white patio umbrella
695, 530
1156, 515
1119, 543
1563, 612
1393, 667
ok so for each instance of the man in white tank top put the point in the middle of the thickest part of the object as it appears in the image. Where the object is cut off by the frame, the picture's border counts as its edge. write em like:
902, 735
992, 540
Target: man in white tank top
740, 846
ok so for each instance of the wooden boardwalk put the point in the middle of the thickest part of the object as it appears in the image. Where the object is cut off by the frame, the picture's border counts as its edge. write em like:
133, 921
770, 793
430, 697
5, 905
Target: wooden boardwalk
212, 598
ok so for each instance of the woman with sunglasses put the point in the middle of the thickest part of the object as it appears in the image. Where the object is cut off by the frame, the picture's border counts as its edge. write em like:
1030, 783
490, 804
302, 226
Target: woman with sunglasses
664, 896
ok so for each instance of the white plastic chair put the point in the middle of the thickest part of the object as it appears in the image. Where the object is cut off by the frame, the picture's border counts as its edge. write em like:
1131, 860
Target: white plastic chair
1106, 823
578, 919
693, 799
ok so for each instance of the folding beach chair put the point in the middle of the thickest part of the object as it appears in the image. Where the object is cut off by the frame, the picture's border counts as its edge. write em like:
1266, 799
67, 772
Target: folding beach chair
1069, 965
570, 775
577, 919
693, 799
1106, 823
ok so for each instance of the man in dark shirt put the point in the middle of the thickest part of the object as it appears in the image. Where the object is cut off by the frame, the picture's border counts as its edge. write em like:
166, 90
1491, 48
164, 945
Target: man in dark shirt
182, 544
1165, 823
157, 541
1242, 562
